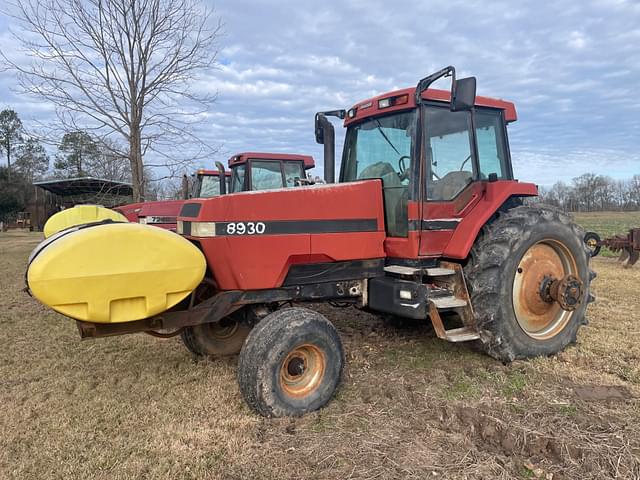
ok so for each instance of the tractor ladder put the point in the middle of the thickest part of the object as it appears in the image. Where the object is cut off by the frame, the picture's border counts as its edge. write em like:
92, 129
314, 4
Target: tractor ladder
447, 291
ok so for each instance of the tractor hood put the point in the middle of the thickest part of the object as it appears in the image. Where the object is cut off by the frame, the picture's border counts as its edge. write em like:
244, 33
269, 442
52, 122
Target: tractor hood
250, 239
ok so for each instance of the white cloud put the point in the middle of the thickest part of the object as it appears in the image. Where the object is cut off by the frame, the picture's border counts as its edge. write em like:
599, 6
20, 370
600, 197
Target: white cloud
570, 67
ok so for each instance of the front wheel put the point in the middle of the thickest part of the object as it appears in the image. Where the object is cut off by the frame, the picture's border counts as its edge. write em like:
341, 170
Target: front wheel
529, 280
291, 363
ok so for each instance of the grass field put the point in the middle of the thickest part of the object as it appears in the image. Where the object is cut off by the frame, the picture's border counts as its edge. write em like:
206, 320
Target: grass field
607, 224
410, 406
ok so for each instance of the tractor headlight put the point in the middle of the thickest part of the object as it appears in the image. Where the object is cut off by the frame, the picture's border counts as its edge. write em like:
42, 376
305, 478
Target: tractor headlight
196, 229
203, 229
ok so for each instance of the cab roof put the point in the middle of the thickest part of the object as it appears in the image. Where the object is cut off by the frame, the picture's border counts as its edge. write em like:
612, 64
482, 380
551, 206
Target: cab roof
215, 173
243, 157
370, 107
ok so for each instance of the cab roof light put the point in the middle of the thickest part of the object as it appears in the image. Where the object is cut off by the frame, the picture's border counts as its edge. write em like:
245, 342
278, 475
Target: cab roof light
392, 101
401, 99
352, 112
384, 103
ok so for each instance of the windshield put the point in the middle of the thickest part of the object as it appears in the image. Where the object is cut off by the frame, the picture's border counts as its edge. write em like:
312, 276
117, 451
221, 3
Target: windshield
383, 148
237, 178
208, 186
379, 148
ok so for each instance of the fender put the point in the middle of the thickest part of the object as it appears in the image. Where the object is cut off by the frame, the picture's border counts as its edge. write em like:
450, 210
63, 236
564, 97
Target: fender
495, 195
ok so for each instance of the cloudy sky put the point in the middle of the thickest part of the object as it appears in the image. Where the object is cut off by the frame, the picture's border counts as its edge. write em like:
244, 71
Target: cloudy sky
572, 68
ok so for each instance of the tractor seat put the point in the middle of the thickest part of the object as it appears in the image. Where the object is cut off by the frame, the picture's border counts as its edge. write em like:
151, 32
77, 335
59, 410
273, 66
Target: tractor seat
449, 186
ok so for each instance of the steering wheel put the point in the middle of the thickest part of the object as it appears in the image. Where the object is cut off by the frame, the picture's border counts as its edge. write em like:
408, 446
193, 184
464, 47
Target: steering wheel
465, 161
402, 167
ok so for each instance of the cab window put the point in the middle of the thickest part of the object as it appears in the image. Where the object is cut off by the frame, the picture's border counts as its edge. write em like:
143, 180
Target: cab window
448, 152
265, 175
491, 144
209, 186
237, 178
292, 171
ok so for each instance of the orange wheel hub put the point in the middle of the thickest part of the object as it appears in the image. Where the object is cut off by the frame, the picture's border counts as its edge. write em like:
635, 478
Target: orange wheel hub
302, 370
539, 317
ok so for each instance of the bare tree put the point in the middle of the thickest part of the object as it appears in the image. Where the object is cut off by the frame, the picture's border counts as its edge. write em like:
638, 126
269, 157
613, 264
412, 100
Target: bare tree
110, 162
122, 67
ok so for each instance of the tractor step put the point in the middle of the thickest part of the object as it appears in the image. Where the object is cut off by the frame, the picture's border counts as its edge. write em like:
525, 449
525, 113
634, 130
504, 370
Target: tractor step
449, 291
439, 272
402, 270
449, 301
413, 271
462, 334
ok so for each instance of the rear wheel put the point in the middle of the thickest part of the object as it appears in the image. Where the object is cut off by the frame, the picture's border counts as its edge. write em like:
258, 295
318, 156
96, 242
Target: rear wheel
216, 339
529, 278
291, 363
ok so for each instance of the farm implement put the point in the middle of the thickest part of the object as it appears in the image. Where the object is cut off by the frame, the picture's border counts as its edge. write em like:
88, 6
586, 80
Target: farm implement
627, 246
425, 222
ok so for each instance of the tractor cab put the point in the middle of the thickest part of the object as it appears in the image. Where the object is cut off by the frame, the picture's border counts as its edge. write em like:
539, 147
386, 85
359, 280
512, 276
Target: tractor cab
207, 183
268, 171
248, 171
437, 153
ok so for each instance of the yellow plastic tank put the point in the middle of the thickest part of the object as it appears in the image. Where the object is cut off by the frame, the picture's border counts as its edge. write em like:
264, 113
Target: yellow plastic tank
80, 215
114, 272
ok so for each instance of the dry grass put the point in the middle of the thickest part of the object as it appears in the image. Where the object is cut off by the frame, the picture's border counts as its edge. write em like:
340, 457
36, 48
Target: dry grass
411, 406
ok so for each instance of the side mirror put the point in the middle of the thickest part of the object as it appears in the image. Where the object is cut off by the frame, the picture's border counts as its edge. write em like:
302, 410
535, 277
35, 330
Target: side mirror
320, 122
325, 134
463, 94
319, 129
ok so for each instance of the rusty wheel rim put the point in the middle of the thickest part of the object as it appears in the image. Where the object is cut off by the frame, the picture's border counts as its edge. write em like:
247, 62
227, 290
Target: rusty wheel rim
302, 371
223, 332
592, 243
538, 318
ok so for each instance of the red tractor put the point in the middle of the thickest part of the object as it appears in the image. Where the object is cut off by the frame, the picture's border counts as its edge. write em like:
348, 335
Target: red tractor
426, 222
248, 171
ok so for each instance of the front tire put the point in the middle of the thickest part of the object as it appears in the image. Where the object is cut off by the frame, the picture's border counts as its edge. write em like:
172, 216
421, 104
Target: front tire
511, 266
291, 363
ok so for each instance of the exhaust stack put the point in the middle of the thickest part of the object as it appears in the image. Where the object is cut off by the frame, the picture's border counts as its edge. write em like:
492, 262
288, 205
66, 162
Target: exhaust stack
325, 135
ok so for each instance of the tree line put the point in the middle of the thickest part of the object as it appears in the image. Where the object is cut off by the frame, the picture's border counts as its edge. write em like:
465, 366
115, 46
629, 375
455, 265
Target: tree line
123, 70
76, 154
591, 192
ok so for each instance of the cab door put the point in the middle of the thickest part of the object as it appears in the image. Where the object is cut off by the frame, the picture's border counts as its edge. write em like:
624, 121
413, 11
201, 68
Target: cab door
458, 162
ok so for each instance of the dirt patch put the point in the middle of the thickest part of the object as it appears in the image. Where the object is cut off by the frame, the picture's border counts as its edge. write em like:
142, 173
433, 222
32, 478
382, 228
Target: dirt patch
602, 393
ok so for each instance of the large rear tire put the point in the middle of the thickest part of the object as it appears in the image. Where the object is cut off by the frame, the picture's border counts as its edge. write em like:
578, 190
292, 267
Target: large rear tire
509, 274
291, 363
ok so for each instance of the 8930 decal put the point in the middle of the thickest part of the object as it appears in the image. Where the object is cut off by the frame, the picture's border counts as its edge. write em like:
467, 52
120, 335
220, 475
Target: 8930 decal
243, 228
